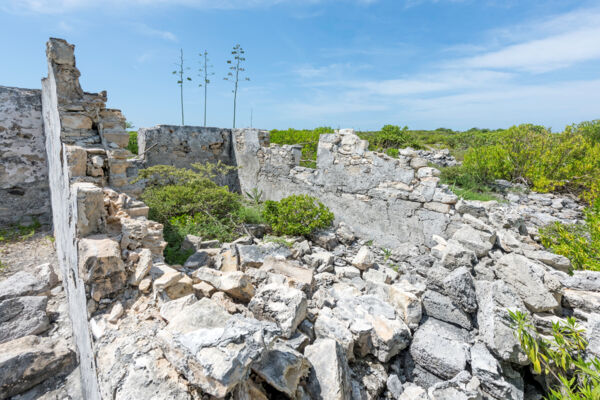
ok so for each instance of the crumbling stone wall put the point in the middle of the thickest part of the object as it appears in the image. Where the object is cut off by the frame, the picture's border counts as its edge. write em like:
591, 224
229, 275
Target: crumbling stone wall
182, 146
24, 193
394, 201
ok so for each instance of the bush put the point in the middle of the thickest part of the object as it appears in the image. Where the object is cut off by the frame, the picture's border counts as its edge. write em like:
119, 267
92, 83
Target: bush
309, 139
560, 358
390, 136
297, 215
580, 243
132, 146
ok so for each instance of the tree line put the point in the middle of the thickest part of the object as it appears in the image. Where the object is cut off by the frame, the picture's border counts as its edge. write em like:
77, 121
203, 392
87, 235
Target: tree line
235, 75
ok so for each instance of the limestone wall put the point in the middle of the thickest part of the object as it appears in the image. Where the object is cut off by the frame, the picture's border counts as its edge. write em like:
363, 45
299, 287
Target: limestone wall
393, 201
24, 191
182, 146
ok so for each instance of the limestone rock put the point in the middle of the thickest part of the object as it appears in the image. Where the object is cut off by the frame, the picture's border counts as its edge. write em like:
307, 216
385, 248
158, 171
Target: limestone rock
198, 259
325, 239
191, 242
203, 314
526, 278
254, 255
144, 264
282, 367
283, 305
440, 348
171, 309
236, 283
101, 266
461, 387
23, 283
460, 287
441, 307
364, 259
475, 240
501, 383
407, 303
22, 316
27, 361
329, 377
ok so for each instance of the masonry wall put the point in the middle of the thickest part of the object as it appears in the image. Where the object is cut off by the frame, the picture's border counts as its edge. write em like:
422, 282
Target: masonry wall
24, 193
182, 146
395, 202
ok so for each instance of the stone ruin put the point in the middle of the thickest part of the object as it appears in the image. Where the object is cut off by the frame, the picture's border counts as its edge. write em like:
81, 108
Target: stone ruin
406, 297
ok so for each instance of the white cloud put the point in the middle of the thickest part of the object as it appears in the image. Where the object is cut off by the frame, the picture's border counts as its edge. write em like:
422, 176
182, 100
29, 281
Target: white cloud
152, 32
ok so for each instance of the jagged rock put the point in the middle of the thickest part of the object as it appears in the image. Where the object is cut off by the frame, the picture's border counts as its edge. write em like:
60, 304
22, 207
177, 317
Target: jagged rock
22, 316
254, 255
328, 326
299, 249
369, 379
29, 360
325, 239
500, 383
321, 260
593, 336
525, 277
376, 276
171, 309
101, 266
203, 314
407, 304
394, 386
199, 259
440, 348
472, 207
143, 267
441, 307
282, 367
478, 241
557, 261
182, 287
115, 313
329, 377
277, 303
494, 300
23, 283
345, 233
203, 289
217, 358
413, 392
508, 241
293, 271
461, 387
364, 259
459, 286
236, 283
453, 255
229, 305
586, 301
191, 242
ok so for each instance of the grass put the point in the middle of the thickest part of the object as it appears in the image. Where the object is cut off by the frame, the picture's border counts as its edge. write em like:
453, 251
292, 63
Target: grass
278, 240
470, 194
19, 232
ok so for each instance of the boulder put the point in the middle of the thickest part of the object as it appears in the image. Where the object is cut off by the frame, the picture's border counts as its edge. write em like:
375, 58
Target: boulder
368, 379
526, 278
345, 233
293, 271
283, 305
586, 301
472, 207
479, 242
191, 242
24, 283
320, 260
461, 387
218, 358
236, 284
203, 314
143, 267
101, 266
497, 381
254, 255
460, 287
329, 377
441, 307
22, 316
440, 348
30, 360
282, 367
413, 392
364, 259
495, 325
453, 255
325, 239
329, 326
407, 304
557, 261
171, 309
199, 259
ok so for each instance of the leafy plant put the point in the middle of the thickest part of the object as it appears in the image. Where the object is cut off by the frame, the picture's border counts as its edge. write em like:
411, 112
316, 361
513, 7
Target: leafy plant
132, 145
560, 358
181, 78
387, 253
255, 195
307, 138
235, 67
580, 243
297, 215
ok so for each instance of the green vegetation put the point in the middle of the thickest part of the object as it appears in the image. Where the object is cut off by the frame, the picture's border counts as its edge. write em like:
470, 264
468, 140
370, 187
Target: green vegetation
580, 243
297, 215
308, 138
390, 137
3, 266
19, 232
560, 358
132, 145
187, 201
278, 240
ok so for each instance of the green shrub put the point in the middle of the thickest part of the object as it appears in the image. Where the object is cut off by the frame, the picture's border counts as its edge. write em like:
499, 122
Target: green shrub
297, 215
560, 358
309, 139
132, 146
390, 136
580, 243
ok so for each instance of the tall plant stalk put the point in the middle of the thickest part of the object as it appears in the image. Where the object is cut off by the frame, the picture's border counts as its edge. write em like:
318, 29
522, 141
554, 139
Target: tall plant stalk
180, 71
234, 73
204, 74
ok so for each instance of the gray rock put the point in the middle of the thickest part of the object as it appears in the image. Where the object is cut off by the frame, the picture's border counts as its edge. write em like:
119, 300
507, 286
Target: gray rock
23, 283
440, 348
320, 260
454, 255
171, 309
235, 283
364, 259
394, 386
22, 316
461, 387
478, 241
29, 360
345, 233
368, 379
329, 377
219, 358
191, 242
526, 277
283, 305
494, 300
586, 301
198, 259
282, 367
325, 239
143, 267
441, 307
413, 392
500, 383
329, 326
472, 207
254, 255
204, 313
459, 286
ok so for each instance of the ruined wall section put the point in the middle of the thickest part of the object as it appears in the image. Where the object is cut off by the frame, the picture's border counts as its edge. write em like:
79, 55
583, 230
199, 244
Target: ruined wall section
394, 201
182, 146
24, 193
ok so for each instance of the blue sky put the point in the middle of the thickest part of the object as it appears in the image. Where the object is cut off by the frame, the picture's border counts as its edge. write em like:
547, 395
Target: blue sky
342, 63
